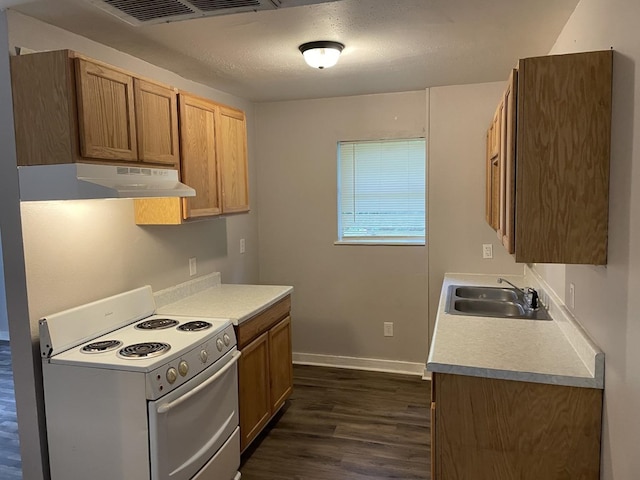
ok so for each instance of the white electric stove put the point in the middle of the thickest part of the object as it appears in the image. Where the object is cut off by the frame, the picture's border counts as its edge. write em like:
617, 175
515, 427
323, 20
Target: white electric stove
134, 395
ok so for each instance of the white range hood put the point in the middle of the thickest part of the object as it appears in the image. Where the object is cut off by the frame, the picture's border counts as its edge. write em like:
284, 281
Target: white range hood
77, 181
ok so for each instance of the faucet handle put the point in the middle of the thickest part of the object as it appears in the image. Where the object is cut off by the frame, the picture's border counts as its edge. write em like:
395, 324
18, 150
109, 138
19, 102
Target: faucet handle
533, 300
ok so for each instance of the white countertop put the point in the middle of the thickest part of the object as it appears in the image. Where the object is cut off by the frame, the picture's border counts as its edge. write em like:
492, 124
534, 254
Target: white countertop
553, 352
207, 297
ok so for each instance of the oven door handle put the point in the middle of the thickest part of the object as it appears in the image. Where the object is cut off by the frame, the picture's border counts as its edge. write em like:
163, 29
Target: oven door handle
165, 407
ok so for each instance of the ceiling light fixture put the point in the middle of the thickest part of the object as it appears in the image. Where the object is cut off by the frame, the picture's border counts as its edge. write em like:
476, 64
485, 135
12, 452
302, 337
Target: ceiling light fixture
322, 54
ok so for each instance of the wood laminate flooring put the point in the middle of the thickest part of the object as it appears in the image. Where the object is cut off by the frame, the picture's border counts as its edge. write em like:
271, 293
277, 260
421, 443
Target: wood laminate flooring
10, 464
346, 425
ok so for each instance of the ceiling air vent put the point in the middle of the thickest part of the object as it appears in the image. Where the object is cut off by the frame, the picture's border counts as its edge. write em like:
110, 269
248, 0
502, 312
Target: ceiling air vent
149, 12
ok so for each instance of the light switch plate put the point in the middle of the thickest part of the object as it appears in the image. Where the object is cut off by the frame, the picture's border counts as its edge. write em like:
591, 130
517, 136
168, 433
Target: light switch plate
487, 250
388, 329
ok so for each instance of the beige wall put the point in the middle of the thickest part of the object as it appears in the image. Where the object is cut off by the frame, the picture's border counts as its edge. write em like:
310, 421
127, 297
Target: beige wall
607, 300
23, 358
343, 294
458, 120
80, 251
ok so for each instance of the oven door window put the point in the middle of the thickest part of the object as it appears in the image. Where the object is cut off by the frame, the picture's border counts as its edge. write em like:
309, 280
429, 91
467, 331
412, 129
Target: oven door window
188, 425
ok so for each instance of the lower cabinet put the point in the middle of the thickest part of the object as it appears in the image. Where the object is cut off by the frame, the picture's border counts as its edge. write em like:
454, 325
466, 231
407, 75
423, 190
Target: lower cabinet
489, 429
265, 369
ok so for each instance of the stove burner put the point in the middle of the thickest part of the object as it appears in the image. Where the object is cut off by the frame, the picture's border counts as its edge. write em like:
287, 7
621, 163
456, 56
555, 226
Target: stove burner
144, 350
194, 326
157, 324
102, 346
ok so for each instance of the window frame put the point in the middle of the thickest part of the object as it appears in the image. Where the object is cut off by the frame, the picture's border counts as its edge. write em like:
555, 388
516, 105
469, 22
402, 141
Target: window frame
417, 240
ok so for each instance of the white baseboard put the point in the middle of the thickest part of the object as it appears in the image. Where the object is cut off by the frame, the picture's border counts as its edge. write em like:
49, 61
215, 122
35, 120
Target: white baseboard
376, 365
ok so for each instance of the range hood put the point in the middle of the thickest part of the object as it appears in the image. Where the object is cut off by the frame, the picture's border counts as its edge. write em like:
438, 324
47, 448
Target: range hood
77, 181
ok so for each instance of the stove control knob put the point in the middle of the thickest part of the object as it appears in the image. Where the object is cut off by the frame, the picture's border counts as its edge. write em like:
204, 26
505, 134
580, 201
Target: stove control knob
204, 356
219, 345
172, 375
183, 368
226, 339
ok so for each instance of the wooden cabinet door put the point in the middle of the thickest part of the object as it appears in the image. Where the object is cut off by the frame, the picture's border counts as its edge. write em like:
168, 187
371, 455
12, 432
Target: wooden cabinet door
280, 363
487, 204
489, 429
156, 122
506, 232
563, 148
106, 118
232, 155
492, 214
253, 381
434, 453
198, 156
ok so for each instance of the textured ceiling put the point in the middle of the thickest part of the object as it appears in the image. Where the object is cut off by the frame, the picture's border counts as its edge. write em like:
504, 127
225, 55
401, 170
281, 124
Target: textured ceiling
391, 45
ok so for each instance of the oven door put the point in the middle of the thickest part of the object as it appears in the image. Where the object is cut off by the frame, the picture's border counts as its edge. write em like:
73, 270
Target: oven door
190, 424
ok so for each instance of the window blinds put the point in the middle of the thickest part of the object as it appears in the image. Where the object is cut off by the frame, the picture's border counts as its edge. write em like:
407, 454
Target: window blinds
381, 190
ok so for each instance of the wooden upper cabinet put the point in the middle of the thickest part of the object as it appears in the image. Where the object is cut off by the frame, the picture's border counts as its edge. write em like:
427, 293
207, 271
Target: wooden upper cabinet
562, 164
213, 160
232, 155
70, 108
199, 166
554, 157
106, 112
156, 122
44, 108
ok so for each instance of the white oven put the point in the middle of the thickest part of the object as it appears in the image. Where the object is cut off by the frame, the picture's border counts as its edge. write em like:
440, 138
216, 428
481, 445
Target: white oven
190, 424
139, 396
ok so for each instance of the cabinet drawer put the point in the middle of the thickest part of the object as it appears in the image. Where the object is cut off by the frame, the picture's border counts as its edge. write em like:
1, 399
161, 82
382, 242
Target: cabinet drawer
262, 322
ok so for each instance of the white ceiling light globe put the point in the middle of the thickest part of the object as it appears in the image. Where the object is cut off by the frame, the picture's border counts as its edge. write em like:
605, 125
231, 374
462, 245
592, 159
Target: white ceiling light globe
323, 54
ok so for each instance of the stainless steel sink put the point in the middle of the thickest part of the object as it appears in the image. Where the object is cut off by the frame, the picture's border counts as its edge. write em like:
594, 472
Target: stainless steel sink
488, 308
490, 302
487, 293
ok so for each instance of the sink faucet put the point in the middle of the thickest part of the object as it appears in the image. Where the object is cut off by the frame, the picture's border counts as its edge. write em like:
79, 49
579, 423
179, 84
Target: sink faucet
530, 295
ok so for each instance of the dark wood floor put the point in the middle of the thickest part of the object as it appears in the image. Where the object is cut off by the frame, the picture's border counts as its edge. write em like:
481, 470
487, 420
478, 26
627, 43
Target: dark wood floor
347, 425
338, 424
10, 466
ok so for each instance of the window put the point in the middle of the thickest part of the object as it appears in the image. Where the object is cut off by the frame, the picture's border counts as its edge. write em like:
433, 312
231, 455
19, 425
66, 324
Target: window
381, 192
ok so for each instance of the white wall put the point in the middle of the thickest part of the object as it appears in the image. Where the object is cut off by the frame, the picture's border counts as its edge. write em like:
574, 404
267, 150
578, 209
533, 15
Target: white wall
343, 294
24, 358
458, 120
75, 252
607, 300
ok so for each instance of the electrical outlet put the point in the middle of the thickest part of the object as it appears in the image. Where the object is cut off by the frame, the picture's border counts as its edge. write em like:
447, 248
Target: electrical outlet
242, 245
388, 329
192, 266
487, 250
572, 296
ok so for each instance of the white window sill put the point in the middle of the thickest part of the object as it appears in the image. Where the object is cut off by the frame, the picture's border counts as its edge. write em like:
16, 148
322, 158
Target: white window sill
399, 243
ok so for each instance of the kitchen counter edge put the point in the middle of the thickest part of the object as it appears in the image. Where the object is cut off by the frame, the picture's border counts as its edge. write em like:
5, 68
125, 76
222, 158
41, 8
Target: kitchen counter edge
579, 348
207, 297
